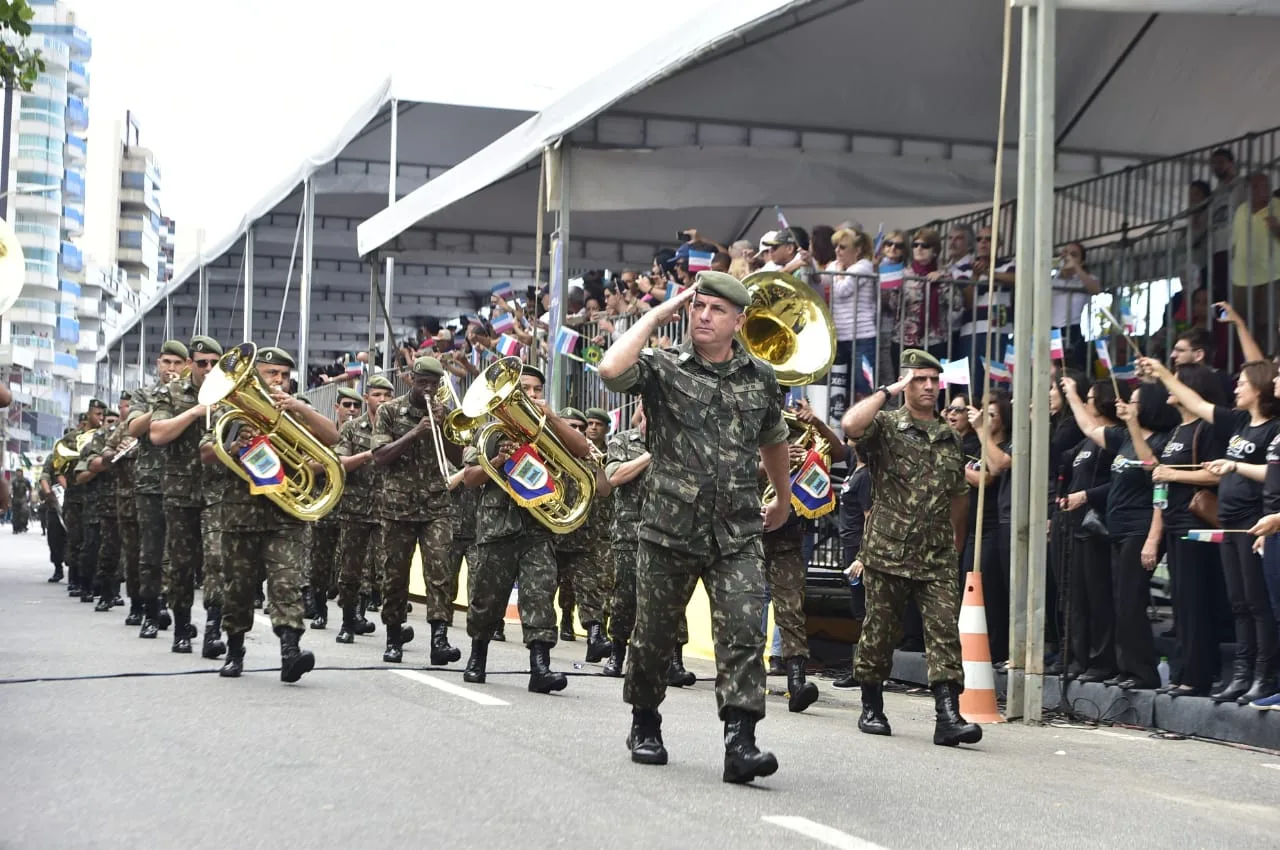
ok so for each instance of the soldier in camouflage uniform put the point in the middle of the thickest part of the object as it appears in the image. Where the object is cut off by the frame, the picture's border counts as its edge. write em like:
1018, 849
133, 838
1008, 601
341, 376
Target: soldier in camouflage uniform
55, 531
259, 537
21, 492
711, 409
577, 563
416, 509
324, 551
178, 423
90, 508
466, 507
511, 544
911, 543
98, 473
121, 452
148, 490
73, 504
218, 483
358, 509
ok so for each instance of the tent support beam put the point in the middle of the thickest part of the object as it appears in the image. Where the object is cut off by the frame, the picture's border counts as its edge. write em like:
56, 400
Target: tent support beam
247, 328
1106, 79
388, 358
305, 281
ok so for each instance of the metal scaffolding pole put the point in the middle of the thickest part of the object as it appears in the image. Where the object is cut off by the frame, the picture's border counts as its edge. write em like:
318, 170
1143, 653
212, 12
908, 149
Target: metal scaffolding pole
203, 318
121, 363
247, 330
304, 287
393, 163
373, 316
168, 317
142, 349
556, 389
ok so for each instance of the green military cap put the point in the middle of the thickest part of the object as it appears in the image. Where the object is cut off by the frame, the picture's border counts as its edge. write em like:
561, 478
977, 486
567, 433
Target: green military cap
533, 372
276, 357
175, 348
599, 414
67, 432
81, 418
914, 358
724, 286
205, 345
572, 413
428, 366
347, 392
125, 395
111, 412
93, 402
379, 383
306, 401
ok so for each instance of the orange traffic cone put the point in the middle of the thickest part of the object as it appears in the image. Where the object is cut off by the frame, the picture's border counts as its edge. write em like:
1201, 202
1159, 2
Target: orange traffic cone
978, 700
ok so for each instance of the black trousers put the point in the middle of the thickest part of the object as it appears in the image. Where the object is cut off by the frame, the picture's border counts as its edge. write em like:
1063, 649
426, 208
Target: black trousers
1090, 609
1195, 662
1130, 590
56, 536
1250, 604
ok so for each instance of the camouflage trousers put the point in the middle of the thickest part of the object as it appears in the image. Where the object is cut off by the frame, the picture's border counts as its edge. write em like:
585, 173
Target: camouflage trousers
665, 580
324, 557
151, 537
498, 566
129, 556
360, 544
279, 553
432, 538
108, 558
72, 515
784, 574
591, 579
459, 550
90, 543
622, 604
56, 537
564, 580
184, 541
21, 516
215, 561
887, 597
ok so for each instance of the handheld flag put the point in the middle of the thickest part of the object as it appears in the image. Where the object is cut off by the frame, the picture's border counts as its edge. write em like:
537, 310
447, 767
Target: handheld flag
1055, 344
1010, 359
782, 219
567, 341
956, 372
503, 290
891, 275
700, 261
1205, 535
1104, 356
502, 323
673, 289
998, 371
615, 417
1128, 372
508, 346
867, 372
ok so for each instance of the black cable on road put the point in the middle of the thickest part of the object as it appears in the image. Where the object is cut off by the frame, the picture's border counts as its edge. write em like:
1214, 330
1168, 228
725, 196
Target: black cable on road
90, 677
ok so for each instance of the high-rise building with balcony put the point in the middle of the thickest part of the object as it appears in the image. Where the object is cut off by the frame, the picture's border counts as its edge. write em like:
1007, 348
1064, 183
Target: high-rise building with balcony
141, 230
40, 336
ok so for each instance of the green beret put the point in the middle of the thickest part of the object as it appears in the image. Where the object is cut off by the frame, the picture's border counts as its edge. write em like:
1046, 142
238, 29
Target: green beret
724, 286
276, 357
914, 358
93, 402
205, 345
379, 383
347, 392
599, 415
111, 412
175, 348
81, 418
428, 366
125, 395
572, 413
306, 401
67, 432
533, 372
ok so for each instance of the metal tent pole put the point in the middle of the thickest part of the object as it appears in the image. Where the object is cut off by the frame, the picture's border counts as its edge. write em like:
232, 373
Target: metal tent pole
373, 317
203, 317
247, 318
393, 163
556, 389
304, 285
168, 317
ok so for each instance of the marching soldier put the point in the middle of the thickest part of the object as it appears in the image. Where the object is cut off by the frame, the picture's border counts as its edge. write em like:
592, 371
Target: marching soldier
102, 527
55, 532
259, 537
217, 482
177, 423
73, 506
416, 510
121, 453
148, 489
20, 488
466, 506
358, 509
911, 543
325, 554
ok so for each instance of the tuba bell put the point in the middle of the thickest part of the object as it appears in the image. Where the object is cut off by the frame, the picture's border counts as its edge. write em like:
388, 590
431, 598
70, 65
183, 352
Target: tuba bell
234, 383
496, 393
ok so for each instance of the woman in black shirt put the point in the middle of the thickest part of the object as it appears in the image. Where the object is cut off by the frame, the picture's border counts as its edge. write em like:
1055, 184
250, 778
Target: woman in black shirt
1247, 431
994, 544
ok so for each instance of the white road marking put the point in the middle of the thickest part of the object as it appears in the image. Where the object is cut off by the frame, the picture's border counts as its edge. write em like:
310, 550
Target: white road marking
828, 835
1121, 735
1272, 766
450, 688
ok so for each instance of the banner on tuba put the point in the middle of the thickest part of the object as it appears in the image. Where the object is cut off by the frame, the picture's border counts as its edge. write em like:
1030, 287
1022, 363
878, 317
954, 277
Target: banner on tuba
530, 480
812, 495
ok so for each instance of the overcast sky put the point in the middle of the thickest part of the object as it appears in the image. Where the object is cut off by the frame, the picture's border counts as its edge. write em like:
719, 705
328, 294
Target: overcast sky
232, 95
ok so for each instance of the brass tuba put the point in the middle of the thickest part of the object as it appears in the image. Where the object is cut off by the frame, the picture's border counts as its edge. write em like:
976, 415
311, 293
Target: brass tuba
235, 384
64, 457
496, 392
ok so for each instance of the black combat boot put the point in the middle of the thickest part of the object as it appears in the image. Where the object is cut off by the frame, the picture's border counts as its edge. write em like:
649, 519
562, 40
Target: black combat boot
213, 646
441, 652
394, 653
950, 728
1239, 684
260, 597
347, 634
57, 574
801, 694
294, 662
645, 738
872, 721
163, 620
135, 613
375, 602
234, 665
363, 625
677, 676
1264, 685
541, 679
322, 613
614, 667
598, 646
566, 625
88, 590
743, 760
474, 671
150, 611
499, 632
181, 630
104, 602
308, 603
117, 600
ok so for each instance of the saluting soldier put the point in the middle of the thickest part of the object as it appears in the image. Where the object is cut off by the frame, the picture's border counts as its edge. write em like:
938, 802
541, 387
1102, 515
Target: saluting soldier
121, 453
73, 503
259, 537
148, 489
178, 423
20, 489
325, 554
911, 543
711, 408
416, 510
55, 531
361, 519
511, 544
102, 535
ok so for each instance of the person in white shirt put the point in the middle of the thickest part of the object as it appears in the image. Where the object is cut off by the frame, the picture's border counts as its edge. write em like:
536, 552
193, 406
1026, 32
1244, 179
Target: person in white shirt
1073, 286
854, 312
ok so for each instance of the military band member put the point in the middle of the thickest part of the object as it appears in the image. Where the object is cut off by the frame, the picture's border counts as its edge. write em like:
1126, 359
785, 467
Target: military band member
511, 544
55, 531
101, 547
910, 548
358, 509
73, 503
416, 509
20, 489
324, 555
711, 408
259, 537
148, 492
466, 505
121, 454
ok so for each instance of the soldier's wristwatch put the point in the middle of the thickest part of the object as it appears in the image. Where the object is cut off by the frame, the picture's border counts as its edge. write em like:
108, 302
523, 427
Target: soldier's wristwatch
883, 388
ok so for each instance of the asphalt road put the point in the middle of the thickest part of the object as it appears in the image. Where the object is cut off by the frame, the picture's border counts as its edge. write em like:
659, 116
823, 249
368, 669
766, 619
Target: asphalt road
121, 743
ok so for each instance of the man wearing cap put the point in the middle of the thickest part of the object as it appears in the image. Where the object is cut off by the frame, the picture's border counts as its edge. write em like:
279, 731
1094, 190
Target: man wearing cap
711, 409
466, 508
259, 538
572, 551
55, 532
100, 548
359, 512
910, 546
120, 453
789, 253
512, 544
148, 489
177, 423
73, 505
593, 574
21, 492
325, 552
416, 509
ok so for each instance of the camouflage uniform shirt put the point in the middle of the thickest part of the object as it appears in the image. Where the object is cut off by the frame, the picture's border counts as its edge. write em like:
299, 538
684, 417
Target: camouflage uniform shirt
706, 422
412, 487
916, 468
100, 492
625, 446
466, 508
124, 470
148, 470
359, 501
183, 471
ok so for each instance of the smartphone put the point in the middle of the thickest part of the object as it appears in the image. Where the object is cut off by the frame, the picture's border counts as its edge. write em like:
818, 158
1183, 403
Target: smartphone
683, 236
1222, 314
531, 295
